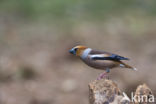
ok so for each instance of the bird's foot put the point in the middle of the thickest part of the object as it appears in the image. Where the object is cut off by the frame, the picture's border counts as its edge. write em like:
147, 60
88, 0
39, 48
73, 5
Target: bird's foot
103, 76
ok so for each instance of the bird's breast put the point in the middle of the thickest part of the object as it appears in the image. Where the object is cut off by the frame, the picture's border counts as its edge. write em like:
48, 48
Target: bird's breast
101, 64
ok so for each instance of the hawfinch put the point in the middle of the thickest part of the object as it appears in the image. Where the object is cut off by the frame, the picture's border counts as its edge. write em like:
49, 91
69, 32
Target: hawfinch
99, 59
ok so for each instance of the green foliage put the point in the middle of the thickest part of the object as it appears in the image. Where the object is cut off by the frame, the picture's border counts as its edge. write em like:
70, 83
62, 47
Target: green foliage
64, 9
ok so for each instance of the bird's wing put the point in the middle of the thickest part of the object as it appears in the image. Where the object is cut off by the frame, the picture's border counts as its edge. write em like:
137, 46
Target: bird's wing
106, 56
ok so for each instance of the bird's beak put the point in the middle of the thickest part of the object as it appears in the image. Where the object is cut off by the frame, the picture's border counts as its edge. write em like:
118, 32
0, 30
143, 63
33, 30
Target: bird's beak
72, 51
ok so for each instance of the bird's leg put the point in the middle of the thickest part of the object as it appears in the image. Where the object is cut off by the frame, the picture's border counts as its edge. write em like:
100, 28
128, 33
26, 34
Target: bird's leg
104, 74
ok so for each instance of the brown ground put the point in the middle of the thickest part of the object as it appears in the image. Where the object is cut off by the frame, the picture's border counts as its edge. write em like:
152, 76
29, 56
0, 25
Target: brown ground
36, 68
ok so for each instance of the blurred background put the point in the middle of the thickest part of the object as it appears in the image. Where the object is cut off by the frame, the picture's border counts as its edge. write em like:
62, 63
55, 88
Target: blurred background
35, 36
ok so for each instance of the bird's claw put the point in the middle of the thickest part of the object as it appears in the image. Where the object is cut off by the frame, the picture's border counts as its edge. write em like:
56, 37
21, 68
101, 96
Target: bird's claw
103, 76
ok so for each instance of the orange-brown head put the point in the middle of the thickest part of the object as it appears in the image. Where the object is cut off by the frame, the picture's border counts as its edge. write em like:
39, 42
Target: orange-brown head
77, 50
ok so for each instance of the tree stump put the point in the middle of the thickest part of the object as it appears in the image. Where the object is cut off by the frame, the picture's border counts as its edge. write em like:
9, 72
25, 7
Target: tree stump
106, 91
146, 93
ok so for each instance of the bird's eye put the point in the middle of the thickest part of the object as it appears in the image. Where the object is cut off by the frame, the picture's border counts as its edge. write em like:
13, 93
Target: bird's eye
75, 49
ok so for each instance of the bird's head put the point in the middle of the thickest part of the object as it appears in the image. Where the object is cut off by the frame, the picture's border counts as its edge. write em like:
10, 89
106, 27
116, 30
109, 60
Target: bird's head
77, 50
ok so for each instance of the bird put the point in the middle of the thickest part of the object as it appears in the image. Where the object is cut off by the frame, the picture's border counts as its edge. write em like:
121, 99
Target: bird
100, 59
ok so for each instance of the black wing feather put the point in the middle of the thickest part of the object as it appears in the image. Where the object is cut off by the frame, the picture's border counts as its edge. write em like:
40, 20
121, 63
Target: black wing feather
111, 57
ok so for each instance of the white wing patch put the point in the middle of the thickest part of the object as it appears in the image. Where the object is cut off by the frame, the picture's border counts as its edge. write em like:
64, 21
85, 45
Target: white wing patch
99, 55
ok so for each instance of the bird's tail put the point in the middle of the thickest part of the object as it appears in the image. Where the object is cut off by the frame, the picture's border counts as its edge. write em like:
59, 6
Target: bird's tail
122, 64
